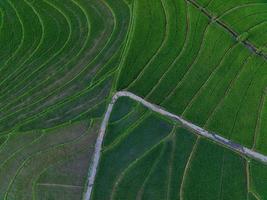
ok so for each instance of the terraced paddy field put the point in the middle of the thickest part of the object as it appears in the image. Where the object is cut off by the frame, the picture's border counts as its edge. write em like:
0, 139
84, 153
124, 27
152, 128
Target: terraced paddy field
204, 64
61, 63
148, 156
58, 64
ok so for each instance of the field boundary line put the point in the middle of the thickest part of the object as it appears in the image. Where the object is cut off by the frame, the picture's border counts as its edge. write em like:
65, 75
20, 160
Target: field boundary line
59, 185
259, 121
194, 128
249, 45
187, 167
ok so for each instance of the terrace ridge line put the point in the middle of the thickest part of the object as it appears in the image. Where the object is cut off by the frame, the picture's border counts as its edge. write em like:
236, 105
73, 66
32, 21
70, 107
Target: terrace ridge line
186, 124
249, 45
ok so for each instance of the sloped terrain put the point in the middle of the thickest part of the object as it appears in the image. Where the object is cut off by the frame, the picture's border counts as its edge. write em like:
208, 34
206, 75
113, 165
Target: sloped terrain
203, 65
148, 156
61, 62
58, 61
28, 157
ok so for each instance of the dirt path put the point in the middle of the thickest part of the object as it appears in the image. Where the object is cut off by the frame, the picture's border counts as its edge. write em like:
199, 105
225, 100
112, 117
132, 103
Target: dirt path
196, 129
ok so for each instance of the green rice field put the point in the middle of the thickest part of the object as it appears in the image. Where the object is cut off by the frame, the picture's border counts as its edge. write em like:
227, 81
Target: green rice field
155, 158
61, 62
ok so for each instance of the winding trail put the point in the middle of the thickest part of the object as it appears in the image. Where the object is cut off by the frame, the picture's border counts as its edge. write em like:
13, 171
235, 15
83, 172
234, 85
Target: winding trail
194, 128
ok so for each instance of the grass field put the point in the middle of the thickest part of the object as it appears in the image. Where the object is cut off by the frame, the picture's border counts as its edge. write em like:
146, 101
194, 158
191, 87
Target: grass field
61, 62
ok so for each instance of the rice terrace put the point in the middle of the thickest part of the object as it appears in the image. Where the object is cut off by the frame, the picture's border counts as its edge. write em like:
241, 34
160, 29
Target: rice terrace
133, 100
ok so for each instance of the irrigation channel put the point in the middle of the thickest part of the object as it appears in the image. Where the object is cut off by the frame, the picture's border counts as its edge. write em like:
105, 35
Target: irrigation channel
196, 129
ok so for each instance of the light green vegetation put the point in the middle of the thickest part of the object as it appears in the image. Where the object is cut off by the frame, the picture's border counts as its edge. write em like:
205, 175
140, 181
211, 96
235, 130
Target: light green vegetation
60, 63
212, 72
215, 173
156, 158
243, 17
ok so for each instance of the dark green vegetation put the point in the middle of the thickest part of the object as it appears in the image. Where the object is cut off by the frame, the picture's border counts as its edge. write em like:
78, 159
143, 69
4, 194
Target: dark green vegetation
146, 156
60, 62
47, 164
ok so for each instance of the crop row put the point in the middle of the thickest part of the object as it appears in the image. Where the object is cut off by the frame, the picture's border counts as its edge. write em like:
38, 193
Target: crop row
204, 73
155, 158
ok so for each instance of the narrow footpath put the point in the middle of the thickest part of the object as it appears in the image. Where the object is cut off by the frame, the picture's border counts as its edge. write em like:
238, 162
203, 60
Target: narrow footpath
194, 128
